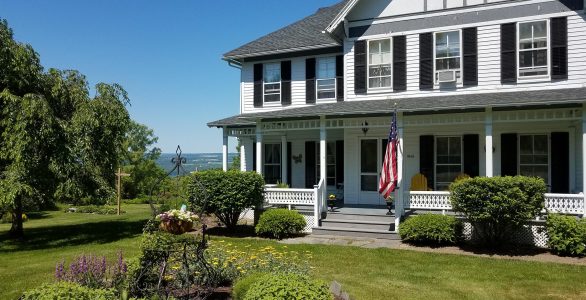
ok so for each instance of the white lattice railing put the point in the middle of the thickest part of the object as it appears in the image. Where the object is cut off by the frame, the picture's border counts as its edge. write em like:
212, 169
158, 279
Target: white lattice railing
276, 196
571, 204
428, 200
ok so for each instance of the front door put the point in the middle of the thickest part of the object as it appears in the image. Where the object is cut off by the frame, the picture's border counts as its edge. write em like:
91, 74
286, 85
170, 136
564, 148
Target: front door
371, 159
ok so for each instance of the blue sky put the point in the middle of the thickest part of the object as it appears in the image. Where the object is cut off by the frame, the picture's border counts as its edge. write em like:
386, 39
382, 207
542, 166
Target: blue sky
166, 54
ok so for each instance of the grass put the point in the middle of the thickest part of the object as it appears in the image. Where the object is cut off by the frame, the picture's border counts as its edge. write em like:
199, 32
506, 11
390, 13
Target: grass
55, 235
364, 273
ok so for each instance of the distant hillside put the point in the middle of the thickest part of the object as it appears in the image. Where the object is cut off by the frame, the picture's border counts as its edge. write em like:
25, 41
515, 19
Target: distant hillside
195, 161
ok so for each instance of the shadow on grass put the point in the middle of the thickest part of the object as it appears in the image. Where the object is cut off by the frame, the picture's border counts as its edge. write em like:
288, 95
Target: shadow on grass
240, 231
72, 235
505, 250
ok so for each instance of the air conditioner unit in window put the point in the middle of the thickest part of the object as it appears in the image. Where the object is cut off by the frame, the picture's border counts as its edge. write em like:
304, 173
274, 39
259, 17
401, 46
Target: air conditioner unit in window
446, 76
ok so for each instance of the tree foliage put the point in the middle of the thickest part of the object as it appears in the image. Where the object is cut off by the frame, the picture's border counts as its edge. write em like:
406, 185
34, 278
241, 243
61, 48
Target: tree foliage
57, 142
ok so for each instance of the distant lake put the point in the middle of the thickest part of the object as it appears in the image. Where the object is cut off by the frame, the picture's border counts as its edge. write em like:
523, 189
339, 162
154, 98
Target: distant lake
195, 161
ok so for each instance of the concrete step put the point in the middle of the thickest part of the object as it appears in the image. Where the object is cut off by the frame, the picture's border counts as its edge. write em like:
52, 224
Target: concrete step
368, 233
359, 224
361, 217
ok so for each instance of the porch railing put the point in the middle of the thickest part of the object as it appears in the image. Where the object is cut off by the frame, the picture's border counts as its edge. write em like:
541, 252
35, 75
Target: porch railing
310, 198
570, 204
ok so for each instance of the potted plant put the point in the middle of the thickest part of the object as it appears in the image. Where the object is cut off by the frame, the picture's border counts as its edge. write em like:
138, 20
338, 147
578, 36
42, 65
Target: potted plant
390, 204
332, 202
177, 221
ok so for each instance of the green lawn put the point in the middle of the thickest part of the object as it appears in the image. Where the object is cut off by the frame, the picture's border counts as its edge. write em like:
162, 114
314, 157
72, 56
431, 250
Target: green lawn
364, 273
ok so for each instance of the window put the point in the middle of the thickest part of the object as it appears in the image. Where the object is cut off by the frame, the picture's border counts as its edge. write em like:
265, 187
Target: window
272, 165
379, 64
326, 78
533, 49
448, 160
330, 162
272, 82
534, 155
447, 53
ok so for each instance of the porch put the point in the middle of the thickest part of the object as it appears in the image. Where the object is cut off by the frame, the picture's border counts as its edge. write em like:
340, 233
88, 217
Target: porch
342, 155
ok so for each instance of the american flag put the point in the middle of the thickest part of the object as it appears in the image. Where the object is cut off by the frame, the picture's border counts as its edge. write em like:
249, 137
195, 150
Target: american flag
388, 176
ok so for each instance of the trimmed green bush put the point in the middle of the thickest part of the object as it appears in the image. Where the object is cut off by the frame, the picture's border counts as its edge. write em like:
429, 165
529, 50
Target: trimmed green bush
567, 235
226, 194
243, 284
288, 286
498, 206
431, 229
67, 290
280, 223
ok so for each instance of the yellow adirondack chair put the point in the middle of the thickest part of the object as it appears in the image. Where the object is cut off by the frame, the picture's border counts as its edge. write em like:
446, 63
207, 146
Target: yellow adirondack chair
419, 183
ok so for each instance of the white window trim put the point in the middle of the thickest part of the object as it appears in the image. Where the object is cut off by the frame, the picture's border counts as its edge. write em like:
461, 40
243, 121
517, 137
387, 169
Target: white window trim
435, 164
548, 135
517, 44
269, 103
458, 80
387, 88
317, 98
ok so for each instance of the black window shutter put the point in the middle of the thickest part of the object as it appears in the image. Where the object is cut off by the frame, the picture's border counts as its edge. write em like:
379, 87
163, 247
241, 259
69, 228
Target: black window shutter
559, 48
399, 63
425, 61
340, 78
471, 155
573, 4
258, 94
508, 154
426, 159
310, 165
470, 66
339, 162
310, 80
289, 164
360, 67
286, 82
560, 162
254, 156
509, 53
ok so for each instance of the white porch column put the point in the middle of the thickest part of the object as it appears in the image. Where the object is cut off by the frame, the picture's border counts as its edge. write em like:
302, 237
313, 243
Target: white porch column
243, 155
322, 158
489, 169
584, 156
401, 192
225, 149
284, 161
258, 148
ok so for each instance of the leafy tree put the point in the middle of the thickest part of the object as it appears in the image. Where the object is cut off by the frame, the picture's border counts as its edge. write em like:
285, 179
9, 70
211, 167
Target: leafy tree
140, 161
57, 142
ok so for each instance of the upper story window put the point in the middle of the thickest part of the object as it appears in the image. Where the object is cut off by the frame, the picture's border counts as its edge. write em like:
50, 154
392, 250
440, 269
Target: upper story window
448, 56
379, 64
533, 49
326, 78
272, 82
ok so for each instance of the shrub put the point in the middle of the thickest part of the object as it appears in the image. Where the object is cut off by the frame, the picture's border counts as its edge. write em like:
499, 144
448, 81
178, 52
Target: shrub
280, 223
242, 286
226, 194
95, 209
430, 228
68, 290
498, 206
567, 235
288, 286
93, 272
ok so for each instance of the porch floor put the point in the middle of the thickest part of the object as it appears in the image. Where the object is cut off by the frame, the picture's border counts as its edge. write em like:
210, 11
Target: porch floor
371, 210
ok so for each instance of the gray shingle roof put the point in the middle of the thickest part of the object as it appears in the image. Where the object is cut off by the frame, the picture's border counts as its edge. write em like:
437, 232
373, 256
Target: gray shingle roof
430, 103
305, 34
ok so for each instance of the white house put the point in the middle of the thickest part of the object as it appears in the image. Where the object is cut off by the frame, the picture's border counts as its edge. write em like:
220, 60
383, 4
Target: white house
481, 87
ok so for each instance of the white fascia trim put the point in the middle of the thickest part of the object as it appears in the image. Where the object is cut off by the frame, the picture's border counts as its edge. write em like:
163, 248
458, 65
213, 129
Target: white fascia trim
279, 51
341, 16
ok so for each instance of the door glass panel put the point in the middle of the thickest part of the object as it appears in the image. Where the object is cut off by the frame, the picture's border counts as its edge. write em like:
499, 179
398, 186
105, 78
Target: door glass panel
368, 183
368, 156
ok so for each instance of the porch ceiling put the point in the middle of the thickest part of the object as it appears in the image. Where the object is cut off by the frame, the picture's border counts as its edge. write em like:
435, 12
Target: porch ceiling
419, 104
